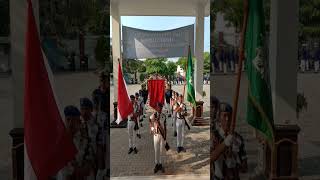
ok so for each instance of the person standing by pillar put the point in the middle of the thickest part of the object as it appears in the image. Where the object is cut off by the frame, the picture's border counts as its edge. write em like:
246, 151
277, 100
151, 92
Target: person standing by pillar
132, 124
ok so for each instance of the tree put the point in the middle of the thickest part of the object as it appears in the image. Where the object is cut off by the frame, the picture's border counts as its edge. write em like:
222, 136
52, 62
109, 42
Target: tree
156, 66
206, 63
171, 68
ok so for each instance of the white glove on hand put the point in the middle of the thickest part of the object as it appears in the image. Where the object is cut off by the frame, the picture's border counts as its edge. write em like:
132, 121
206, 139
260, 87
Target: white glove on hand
228, 140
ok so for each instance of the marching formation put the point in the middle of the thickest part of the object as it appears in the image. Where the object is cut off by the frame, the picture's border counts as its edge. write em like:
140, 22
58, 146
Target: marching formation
172, 109
89, 129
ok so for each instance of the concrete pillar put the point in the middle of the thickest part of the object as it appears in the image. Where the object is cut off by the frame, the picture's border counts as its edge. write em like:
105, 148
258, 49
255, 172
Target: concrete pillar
18, 20
198, 73
116, 44
283, 59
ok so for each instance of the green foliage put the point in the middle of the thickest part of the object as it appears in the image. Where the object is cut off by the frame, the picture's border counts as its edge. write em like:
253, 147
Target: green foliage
101, 51
142, 77
156, 66
206, 63
65, 18
182, 62
309, 17
171, 68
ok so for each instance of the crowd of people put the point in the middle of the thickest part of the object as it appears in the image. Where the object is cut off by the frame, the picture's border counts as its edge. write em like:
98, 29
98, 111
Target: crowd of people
228, 153
89, 129
225, 60
173, 108
309, 58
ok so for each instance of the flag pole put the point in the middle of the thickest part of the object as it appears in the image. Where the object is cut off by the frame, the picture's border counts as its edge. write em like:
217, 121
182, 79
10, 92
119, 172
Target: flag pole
241, 57
185, 75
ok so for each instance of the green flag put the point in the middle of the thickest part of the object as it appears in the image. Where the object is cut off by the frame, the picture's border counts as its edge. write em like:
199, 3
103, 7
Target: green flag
189, 78
259, 109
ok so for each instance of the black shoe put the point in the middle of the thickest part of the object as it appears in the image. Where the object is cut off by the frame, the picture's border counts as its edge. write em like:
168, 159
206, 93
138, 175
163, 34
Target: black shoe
141, 124
156, 168
169, 115
175, 134
139, 136
130, 151
161, 168
167, 147
182, 149
135, 150
178, 149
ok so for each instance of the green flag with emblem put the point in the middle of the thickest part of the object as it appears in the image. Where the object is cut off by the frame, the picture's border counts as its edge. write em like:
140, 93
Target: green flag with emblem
259, 107
189, 78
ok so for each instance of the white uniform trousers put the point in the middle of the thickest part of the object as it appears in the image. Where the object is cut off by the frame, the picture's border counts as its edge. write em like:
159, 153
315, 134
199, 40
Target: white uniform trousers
174, 120
224, 68
316, 66
168, 107
303, 65
232, 66
139, 125
180, 132
131, 134
220, 66
158, 146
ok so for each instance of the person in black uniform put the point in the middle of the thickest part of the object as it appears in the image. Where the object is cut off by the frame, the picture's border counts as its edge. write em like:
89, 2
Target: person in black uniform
168, 95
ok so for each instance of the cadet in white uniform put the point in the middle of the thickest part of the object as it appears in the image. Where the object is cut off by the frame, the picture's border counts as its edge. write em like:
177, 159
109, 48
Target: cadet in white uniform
77, 168
157, 124
132, 124
180, 123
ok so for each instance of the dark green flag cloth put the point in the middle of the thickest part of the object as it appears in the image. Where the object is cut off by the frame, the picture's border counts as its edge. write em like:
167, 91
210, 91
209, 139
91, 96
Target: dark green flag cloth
259, 109
189, 78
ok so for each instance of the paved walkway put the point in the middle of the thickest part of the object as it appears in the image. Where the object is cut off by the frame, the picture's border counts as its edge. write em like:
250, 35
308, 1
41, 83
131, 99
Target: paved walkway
195, 160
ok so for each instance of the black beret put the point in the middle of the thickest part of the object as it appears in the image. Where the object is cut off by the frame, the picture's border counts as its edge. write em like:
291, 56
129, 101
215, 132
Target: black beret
86, 103
137, 94
132, 97
225, 107
71, 111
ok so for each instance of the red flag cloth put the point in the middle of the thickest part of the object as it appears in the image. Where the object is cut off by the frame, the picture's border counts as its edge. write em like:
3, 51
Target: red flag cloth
156, 90
125, 107
49, 145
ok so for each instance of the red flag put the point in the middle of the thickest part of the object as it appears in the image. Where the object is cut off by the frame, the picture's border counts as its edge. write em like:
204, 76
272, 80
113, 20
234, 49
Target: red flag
156, 90
49, 146
125, 107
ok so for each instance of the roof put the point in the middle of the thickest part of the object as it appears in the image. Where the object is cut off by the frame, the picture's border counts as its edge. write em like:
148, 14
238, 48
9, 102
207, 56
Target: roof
160, 7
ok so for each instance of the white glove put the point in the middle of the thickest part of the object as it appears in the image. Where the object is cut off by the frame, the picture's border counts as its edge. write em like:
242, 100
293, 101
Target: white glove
228, 140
